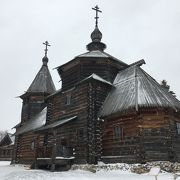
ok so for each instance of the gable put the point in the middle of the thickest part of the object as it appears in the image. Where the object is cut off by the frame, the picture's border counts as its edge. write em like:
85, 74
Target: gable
6, 140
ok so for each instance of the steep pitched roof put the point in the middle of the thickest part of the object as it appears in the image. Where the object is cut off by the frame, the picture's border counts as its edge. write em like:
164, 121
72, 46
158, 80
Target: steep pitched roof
135, 88
43, 82
7, 140
36, 122
2, 136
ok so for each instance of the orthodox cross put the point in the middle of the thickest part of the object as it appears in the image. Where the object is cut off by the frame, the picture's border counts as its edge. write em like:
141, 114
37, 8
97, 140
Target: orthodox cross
96, 8
46, 44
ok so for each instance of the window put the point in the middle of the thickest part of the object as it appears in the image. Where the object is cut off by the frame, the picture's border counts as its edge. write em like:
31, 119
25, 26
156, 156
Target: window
32, 145
118, 132
45, 140
80, 134
68, 99
64, 141
178, 128
4, 152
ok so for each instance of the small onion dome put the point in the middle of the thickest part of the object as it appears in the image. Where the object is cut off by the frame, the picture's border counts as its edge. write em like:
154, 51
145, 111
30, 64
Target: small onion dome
45, 60
96, 43
96, 35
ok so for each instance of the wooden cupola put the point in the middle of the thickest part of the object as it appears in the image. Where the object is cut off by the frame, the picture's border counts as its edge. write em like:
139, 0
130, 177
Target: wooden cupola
94, 61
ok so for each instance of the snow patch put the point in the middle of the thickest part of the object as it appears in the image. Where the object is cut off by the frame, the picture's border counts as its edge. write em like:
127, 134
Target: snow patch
119, 171
155, 171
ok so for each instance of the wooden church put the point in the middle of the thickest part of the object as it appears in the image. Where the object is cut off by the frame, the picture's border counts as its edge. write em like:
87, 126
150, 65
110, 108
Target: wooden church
105, 111
6, 147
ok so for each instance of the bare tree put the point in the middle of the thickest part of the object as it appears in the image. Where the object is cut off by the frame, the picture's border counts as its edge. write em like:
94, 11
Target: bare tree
167, 87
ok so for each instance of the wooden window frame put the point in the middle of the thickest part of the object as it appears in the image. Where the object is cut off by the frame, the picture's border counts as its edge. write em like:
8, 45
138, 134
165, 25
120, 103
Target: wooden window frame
68, 99
80, 134
32, 145
178, 128
45, 140
118, 132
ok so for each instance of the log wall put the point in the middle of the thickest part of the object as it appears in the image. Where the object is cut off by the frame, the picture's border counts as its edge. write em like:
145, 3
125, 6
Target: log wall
148, 135
97, 93
125, 148
174, 118
25, 153
80, 69
58, 109
86, 100
32, 105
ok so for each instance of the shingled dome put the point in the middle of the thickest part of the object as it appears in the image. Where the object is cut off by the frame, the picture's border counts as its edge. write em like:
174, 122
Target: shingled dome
134, 88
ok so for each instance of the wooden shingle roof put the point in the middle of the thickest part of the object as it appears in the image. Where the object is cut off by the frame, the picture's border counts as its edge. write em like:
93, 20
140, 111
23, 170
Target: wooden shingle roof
134, 88
43, 82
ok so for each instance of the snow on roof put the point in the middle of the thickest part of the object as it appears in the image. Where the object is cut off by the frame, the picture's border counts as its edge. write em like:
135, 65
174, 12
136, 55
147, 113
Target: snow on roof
17, 125
95, 53
38, 121
101, 54
96, 77
2, 136
56, 92
57, 123
12, 137
135, 88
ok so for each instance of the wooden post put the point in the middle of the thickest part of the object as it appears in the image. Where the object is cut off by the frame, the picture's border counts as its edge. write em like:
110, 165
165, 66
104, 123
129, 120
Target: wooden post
36, 152
14, 153
53, 165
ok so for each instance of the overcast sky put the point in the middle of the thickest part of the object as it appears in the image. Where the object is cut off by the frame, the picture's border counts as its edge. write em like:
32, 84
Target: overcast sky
132, 30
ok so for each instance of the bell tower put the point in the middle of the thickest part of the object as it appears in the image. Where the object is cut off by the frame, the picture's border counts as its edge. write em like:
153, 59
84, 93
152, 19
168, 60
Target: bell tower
40, 88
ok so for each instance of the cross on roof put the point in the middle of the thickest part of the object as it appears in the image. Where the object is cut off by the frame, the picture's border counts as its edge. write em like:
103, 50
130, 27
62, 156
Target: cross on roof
96, 8
46, 43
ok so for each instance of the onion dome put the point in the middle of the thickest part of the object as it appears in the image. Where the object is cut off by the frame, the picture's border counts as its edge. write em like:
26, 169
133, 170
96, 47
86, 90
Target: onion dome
96, 35
96, 43
45, 60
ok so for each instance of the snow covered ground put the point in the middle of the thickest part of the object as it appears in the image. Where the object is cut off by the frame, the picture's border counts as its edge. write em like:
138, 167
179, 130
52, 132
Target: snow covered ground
19, 172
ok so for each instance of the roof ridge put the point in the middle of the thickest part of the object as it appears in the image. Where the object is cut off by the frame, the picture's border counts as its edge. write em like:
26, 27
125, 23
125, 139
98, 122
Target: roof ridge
136, 88
96, 77
114, 58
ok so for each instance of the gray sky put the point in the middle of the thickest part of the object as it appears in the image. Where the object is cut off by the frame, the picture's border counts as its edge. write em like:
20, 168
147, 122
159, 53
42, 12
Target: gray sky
132, 30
